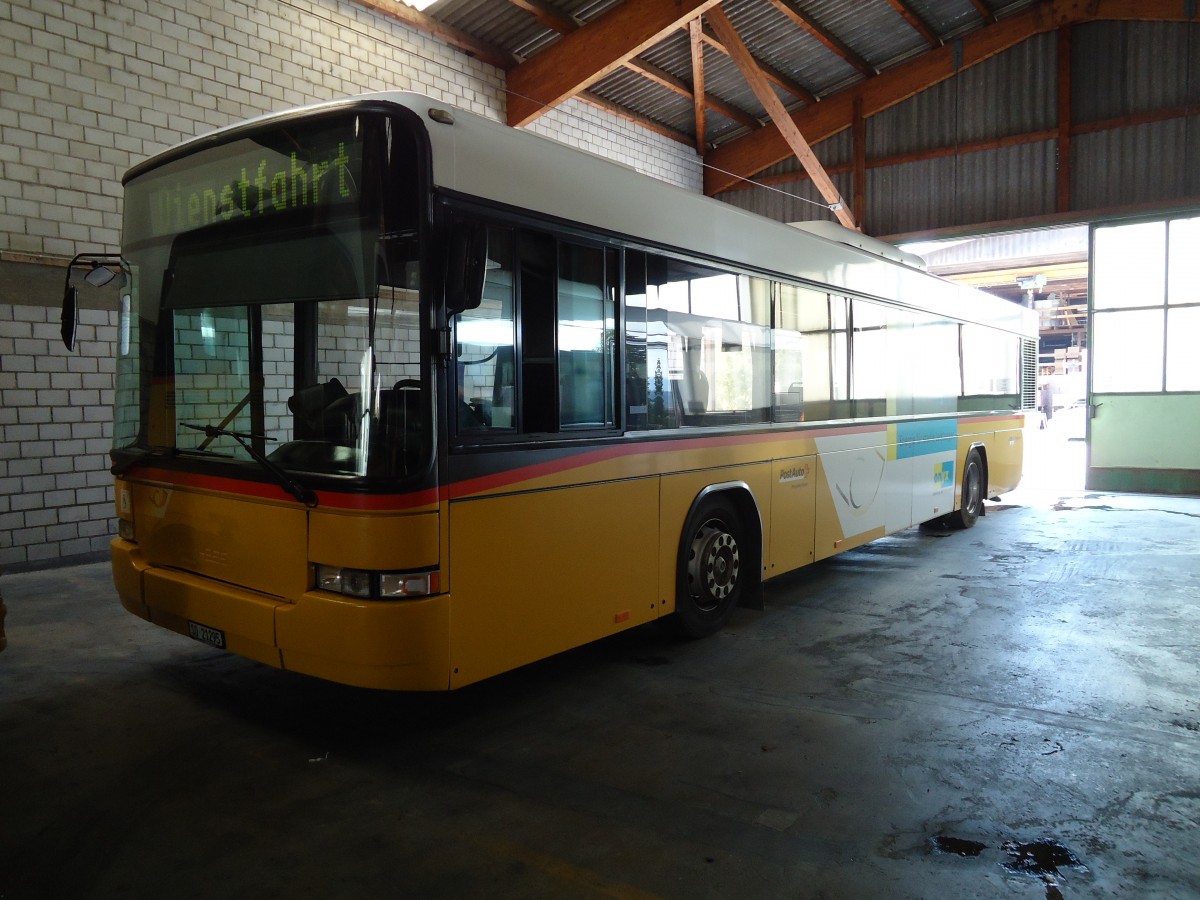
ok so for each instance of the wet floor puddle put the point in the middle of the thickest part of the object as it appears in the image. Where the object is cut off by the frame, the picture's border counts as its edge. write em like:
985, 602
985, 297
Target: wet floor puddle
1040, 858
1044, 859
959, 847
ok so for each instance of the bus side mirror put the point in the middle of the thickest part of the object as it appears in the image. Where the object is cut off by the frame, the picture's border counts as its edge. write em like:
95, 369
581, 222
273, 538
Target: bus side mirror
70, 314
102, 268
466, 266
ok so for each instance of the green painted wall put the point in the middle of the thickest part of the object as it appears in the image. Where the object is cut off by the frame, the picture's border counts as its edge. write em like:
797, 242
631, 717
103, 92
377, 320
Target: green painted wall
1145, 443
1146, 431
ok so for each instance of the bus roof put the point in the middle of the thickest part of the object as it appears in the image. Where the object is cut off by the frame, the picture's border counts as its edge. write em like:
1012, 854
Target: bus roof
480, 157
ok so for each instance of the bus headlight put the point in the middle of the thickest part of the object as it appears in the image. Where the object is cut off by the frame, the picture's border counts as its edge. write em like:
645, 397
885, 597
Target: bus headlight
371, 585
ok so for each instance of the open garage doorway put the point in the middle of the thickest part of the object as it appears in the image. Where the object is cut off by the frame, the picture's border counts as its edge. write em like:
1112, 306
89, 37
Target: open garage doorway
1144, 431
1047, 270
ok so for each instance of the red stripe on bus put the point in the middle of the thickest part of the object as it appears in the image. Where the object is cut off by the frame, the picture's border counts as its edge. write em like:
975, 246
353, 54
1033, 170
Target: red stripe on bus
427, 497
262, 490
484, 483
509, 477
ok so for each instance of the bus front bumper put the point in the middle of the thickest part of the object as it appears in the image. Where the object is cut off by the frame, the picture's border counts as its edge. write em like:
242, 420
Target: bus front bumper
393, 645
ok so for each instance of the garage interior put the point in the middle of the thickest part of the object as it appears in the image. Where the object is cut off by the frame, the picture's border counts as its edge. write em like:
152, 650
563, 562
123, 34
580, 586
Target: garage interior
1009, 711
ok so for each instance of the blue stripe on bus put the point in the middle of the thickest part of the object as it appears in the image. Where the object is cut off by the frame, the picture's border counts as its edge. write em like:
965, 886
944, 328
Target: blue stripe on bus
926, 437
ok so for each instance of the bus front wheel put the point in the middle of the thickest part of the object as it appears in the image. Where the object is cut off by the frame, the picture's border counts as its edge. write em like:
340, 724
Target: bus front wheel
711, 577
972, 493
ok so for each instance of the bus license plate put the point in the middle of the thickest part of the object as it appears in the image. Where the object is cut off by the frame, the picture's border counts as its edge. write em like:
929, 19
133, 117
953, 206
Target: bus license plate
214, 637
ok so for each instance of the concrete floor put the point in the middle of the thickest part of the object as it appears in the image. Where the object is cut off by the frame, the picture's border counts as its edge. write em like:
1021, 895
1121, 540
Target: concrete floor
1010, 711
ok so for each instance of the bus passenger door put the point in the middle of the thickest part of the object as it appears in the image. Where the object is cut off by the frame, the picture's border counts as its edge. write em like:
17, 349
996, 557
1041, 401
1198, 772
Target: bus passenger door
553, 533
793, 511
545, 568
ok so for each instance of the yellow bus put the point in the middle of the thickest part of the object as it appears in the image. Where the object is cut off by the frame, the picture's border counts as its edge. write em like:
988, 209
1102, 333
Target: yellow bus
406, 398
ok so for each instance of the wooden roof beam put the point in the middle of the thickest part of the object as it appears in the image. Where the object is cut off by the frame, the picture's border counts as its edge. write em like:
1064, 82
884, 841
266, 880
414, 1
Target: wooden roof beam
547, 16
918, 24
696, 40
556, 21
746, 156
585, 56
796, 16
779, 115
552, 19
963, 149
984, 10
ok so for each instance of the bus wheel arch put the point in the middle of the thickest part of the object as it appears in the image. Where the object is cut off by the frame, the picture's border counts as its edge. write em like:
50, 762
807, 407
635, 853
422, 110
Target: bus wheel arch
974, 488
719, 564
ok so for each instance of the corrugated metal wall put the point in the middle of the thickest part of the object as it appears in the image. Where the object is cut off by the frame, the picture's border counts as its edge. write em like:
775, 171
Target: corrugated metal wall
1127, 70
1119, 69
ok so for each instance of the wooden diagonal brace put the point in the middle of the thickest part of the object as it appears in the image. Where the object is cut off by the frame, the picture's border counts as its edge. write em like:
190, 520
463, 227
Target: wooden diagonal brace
779, 115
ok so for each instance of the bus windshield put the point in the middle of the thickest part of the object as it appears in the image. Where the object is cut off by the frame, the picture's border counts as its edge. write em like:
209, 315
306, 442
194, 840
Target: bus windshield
274, 306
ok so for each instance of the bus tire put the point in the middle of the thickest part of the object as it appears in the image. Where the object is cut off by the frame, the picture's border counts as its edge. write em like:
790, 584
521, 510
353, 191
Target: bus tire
712, 570
973, 490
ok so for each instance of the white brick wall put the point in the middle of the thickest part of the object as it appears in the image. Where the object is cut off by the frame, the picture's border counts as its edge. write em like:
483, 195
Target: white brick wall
590, 128
89, 88
56, 423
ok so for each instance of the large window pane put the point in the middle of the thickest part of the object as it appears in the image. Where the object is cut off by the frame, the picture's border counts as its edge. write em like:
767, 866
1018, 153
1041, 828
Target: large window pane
1183, 349
803, 339
353, 408
930, 360
839, 359
1129, 265
586, 316
1183, 265
791, 352
663, 402
991, 362
212, 377
637, 367
486, 338
718, 353
811, 355
1127, 351
872, 363
279, 353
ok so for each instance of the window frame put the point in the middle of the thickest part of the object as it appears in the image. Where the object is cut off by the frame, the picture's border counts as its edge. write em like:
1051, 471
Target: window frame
523, 228
1162, 309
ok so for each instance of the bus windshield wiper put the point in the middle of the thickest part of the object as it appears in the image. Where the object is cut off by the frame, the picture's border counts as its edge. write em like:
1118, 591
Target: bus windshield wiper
143, 457
305, 495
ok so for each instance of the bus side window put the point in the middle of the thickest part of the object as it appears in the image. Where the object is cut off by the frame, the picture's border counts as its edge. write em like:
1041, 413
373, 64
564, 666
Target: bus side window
586, 318
485, 338
873, 357
637, 374
539, 400
715, 328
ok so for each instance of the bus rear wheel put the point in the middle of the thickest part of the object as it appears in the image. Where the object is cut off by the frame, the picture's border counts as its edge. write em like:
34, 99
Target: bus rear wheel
711, 579
972, 493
